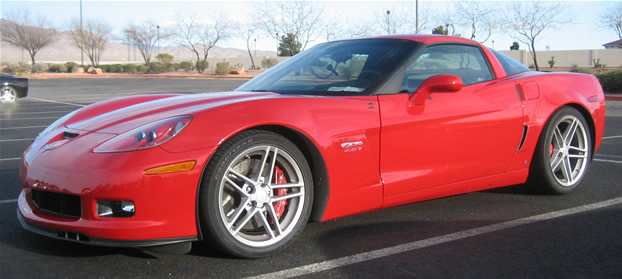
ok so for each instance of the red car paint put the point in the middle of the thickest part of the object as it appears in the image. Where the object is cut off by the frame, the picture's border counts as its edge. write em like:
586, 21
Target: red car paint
367, 152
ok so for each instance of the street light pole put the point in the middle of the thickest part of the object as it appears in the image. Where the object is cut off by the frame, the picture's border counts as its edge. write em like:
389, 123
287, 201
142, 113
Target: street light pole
158, 26
277, 44
417, 16
81, 37
388, 22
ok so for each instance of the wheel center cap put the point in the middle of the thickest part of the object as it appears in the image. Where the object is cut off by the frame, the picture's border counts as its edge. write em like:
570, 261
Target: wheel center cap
262, 195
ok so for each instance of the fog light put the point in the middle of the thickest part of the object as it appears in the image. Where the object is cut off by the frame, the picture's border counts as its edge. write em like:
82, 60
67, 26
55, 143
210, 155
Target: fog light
115, 208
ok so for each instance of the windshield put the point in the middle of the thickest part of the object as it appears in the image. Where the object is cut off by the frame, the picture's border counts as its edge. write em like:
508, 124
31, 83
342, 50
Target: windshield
335, 68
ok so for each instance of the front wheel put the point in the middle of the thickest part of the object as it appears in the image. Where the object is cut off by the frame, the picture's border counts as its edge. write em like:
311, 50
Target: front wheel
562, 155
256, 195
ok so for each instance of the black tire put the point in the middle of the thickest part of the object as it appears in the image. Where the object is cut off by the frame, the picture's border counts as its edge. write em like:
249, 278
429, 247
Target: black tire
562, 155
239, 208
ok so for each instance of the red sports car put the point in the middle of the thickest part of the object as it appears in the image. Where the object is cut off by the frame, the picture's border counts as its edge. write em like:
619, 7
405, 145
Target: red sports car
342, 128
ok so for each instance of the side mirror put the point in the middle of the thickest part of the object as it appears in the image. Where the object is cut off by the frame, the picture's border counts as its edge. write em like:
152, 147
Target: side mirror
435, 84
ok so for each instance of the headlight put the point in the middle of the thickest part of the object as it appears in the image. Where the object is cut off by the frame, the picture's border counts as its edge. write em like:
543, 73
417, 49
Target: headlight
147, 136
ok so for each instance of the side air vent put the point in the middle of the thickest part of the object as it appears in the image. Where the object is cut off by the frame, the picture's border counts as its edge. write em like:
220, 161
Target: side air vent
522, 141
62, 204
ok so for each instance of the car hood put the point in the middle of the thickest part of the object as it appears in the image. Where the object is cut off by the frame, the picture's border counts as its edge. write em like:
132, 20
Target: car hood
123, 114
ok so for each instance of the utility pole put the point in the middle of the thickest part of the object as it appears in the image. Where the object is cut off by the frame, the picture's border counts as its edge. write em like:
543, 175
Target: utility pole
388, 22
417, 16
81, 37
158, 26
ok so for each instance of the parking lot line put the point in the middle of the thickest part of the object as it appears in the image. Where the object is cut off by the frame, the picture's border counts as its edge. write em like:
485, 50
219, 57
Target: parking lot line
9, 140
39, 112
9, 159
8, 201
56, 102
608, 161
29, 118
612, 137
407, 247
24, 127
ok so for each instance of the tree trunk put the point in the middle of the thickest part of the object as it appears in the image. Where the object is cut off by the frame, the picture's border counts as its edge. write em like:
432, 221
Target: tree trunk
533, 53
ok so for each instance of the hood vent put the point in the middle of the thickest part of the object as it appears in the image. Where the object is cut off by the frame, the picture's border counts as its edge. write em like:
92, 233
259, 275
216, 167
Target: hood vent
69, 135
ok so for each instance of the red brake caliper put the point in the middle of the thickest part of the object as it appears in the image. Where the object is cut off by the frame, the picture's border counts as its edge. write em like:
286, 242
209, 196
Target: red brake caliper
279, 178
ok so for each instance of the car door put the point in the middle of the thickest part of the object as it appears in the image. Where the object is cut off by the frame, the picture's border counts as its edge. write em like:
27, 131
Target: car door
450, 137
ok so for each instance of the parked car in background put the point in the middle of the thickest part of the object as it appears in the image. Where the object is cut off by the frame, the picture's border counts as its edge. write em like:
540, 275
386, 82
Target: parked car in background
12, 88
342, 128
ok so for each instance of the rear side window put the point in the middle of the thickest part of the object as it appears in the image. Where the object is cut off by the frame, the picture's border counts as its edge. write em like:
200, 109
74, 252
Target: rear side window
464, 61
510, 65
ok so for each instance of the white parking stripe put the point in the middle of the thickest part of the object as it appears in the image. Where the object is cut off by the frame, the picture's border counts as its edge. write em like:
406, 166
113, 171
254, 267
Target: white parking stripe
380, 253
28, 118
40, 112
608, 161
24, 127
8, 201
50, 101
8, 140
612, 137
9, 159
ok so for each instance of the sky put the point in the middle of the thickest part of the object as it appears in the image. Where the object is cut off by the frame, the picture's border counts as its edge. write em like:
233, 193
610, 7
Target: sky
582, 33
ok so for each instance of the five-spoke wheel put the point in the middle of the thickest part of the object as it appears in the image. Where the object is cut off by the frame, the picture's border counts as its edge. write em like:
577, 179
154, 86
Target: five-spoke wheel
256, 195
563, 153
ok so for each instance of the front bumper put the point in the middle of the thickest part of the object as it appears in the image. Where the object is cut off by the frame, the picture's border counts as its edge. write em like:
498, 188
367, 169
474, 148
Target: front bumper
165, 203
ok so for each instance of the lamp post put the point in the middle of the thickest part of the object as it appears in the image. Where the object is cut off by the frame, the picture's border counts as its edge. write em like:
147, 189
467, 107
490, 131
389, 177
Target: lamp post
493, 44
81, 37
388, 22
417, 16
255, 47
277, 44
158, 27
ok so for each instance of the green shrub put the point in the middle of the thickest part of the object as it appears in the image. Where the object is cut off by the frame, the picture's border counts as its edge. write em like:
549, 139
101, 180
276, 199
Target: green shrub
105, 68
70, 65
129, 68
576, 69
611, 81
202, 65
222, 68
16, 69
157, 67
40, 67
165, 58
115, 68
142, 68
186, 65
269, 62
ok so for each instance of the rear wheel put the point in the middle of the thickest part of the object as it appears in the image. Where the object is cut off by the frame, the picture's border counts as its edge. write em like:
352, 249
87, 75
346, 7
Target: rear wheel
562, 155
7, 94
256, 195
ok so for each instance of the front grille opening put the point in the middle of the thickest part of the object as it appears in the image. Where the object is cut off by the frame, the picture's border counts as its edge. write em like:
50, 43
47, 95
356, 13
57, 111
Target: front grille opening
63, 204
72, 236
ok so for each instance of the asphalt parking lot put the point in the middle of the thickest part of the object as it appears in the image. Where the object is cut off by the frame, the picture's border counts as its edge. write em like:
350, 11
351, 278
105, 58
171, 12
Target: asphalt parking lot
504, 232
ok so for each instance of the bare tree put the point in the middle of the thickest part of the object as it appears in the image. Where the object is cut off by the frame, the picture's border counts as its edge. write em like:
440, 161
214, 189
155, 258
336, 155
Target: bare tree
348, 29
248, 34
612, 18
527, 20
200, 36
91, 39
403, 20
145, 38
478, 16
20, 31
302, 19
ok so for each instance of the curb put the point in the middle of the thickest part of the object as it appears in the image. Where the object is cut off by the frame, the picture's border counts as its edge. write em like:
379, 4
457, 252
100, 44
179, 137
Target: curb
613, 97
137, 76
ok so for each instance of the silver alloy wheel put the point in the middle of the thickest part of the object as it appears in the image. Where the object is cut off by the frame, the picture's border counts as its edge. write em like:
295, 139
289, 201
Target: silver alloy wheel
7, 94
569, 151
248, 193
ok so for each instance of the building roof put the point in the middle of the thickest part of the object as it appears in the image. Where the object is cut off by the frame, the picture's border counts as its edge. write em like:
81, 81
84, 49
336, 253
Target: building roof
617, 43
